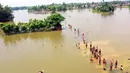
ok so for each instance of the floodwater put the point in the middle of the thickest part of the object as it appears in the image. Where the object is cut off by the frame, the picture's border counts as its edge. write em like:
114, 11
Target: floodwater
55, 52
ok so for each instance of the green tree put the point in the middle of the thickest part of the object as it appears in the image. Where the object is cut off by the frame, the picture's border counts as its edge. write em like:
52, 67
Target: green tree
55, 19
104, 7
5, 14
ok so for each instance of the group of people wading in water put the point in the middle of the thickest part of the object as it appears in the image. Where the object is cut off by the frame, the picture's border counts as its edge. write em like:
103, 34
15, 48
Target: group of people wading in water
96, 54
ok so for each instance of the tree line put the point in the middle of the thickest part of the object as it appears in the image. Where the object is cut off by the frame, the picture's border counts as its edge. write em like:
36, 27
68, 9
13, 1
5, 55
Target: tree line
57, 7
66, 6
52, 22
20, 8
110, 6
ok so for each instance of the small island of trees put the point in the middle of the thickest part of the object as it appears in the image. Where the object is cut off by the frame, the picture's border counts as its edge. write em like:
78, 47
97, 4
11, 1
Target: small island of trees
52, 22
104, 7
5, 14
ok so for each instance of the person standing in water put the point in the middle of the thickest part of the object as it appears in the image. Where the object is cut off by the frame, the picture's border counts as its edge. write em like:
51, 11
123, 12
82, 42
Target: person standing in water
86, 44
100, 52
116, 64
104, 62
99, 60
93, 50
96, 52
91, 44
96, 48
78, 31
78, 45
83, 37
83, 41
75, 30
111, 65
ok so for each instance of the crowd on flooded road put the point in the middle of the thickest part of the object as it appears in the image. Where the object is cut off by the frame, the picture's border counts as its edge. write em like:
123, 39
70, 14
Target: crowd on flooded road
96, 54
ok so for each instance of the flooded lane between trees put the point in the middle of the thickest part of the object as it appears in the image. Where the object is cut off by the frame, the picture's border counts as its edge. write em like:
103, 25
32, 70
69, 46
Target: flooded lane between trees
56, 52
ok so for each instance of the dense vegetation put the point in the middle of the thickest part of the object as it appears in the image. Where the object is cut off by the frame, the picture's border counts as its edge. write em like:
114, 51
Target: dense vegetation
57, 7
52, 22
104, 7
5, 14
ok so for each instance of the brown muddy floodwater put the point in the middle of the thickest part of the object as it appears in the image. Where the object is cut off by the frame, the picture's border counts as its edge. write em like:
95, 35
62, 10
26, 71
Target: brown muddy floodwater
55, 52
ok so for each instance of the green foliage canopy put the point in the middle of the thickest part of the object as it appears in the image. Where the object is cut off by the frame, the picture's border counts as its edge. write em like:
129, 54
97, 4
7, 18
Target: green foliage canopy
104, 7
5, 14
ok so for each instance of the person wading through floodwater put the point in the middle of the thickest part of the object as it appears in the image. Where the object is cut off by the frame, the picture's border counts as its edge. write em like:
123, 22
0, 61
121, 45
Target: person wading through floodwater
84, 41
78, 45
104, 63
100, 60
75, 30
100, 53
78, 31
96, 52
91, 44
83, 37
96, 48
93, 50
86, 44
116, 64
111, 65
